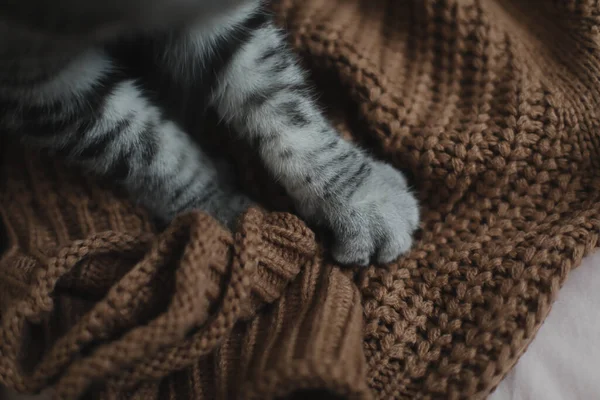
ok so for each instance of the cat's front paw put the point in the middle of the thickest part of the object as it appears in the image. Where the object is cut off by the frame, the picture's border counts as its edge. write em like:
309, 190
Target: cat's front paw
377, 222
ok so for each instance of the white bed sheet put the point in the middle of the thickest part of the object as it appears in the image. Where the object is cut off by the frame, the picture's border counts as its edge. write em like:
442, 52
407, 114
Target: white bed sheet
563, 361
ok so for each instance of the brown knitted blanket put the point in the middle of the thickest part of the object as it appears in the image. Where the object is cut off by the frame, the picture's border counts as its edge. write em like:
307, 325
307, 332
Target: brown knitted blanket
492, 108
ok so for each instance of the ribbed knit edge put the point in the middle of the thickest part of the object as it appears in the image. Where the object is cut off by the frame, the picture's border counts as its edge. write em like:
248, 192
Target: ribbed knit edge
306, 353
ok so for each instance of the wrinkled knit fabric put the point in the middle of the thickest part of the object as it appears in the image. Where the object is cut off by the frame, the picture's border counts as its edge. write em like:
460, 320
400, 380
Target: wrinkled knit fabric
492, 109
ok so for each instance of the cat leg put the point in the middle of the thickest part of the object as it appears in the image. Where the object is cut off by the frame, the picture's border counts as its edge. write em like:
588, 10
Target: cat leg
103, 122
366, 203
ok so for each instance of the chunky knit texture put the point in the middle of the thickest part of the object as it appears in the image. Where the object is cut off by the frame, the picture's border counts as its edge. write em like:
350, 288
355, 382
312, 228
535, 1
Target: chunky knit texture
491, 107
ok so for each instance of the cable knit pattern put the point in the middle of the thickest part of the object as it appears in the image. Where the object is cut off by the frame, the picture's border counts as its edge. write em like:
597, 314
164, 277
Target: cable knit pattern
491, 108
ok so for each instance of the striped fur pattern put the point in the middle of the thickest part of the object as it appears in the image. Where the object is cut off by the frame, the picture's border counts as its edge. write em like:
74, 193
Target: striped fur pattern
105, 102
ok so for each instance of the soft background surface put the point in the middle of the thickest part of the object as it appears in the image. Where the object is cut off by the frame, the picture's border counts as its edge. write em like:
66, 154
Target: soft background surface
563, 361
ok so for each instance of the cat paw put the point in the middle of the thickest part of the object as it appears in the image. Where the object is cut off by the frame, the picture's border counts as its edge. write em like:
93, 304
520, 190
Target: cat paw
377, 222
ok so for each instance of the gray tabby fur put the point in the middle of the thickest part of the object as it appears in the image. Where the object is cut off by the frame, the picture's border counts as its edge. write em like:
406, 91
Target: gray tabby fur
67, 85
